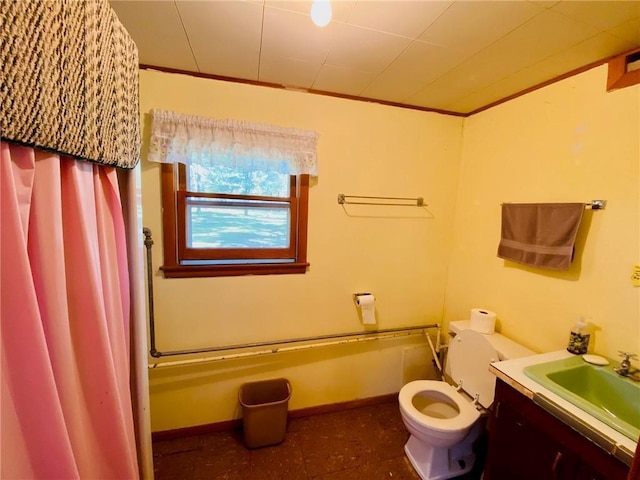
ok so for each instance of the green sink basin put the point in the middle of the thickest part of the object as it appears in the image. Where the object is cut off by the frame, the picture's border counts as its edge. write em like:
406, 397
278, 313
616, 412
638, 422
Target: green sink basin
598, 390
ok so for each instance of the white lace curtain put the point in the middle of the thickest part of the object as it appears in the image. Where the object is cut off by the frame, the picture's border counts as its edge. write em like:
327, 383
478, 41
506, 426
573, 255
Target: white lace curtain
178, 138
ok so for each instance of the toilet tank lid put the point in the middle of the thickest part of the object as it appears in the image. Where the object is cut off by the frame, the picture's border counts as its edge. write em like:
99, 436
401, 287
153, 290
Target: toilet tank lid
506, 348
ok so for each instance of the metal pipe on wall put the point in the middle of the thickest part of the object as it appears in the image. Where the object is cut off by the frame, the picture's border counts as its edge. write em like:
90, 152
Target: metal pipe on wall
148, 243
257, 348
296, 344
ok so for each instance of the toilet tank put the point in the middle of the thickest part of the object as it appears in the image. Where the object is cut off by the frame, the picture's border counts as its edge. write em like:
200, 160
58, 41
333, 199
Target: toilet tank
505, 347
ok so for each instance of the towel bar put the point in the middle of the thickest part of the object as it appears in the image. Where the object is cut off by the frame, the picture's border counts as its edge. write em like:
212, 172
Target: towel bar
416, 202
593, 204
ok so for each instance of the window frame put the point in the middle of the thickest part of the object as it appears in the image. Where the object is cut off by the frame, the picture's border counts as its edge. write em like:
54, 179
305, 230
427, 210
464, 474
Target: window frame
174, 204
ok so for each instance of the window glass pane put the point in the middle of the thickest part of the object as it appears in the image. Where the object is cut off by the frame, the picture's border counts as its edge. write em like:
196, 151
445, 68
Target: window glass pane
237, 227
238, 181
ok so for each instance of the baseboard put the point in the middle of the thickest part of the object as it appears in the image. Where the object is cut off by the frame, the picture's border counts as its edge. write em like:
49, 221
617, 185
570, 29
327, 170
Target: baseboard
225, 426
236, 423
341, 406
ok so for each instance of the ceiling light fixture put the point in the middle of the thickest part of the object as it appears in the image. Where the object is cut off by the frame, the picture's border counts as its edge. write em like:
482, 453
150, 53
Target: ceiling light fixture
321, 12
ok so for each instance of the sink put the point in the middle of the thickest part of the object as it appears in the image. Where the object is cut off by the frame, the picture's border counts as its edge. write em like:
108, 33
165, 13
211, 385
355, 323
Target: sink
598, 390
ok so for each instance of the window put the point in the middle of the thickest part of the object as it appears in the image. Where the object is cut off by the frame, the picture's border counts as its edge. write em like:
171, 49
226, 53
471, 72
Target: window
210, 232
229, 210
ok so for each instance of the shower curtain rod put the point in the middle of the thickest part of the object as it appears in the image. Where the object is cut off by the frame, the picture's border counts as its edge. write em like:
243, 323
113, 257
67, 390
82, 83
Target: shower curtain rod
301, 343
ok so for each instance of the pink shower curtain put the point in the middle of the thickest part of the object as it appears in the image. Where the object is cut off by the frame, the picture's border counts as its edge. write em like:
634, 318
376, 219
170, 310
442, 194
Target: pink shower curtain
65, 397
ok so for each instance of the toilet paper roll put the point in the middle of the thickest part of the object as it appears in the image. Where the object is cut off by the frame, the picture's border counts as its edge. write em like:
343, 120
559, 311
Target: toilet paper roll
367, 304
483, 321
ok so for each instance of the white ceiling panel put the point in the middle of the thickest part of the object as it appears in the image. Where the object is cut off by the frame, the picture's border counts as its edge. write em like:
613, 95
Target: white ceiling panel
289, 34
601, 14
458, 55
517, 50
352, 82
363, 49
288, 71
436, 96
543, 71
629, 30
221, 47
420, 64
406, 18
341, 9
395, 91
526, 46
457, 27
158, 32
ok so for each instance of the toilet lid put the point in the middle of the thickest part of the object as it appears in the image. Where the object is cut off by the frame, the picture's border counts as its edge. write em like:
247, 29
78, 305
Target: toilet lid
470, 354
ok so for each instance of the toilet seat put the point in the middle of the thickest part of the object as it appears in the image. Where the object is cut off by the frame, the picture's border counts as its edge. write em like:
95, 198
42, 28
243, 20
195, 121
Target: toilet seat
470, 354
467, 416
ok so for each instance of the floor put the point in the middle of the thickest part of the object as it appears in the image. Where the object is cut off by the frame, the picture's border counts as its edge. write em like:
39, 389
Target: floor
356, 444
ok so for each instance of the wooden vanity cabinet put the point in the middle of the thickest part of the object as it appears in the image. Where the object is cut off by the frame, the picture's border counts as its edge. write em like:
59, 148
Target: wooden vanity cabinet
528, 443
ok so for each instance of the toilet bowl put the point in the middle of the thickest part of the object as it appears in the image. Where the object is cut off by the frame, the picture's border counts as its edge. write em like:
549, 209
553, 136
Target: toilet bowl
436, 413
444, 422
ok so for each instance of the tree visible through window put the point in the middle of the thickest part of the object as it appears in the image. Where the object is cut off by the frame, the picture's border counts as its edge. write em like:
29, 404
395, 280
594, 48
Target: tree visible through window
224, 223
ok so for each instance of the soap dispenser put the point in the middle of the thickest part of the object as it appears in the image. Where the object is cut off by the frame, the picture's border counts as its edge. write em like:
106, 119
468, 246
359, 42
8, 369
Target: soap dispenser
579, 338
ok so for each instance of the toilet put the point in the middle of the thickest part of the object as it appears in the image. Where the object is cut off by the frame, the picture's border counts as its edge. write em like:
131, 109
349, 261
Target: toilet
444, 421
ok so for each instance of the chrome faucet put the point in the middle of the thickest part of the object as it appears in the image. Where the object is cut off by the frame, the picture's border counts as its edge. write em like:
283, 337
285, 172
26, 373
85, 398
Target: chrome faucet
625, 365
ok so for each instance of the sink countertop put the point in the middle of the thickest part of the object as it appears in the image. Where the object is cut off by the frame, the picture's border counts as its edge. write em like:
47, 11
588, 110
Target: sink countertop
512, 373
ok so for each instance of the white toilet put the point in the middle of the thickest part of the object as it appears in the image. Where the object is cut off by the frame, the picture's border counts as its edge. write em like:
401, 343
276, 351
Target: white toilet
444, 421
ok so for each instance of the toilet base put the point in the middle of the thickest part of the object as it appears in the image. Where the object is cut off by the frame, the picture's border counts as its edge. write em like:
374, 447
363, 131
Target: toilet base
439, 463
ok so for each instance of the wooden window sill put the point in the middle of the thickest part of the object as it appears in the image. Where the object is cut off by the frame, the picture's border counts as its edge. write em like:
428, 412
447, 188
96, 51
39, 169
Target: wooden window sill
190, 271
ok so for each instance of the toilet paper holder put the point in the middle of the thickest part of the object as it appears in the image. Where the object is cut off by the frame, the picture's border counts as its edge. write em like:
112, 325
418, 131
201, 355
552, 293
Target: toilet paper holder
357, 294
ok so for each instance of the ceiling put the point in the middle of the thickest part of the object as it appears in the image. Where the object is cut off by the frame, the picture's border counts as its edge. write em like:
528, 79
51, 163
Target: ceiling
454, 56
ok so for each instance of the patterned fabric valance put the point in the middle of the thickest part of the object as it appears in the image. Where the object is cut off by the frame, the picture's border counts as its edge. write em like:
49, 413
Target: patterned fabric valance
69, 80
177, 138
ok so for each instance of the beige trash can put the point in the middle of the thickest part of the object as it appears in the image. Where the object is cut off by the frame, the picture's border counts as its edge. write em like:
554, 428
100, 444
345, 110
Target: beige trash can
265, 407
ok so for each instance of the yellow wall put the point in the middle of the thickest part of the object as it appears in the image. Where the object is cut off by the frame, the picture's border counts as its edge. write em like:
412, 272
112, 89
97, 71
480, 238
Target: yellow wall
399, 254
570, 141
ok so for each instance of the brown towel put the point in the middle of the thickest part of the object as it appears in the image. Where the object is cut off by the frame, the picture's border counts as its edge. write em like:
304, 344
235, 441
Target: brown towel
540, 234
